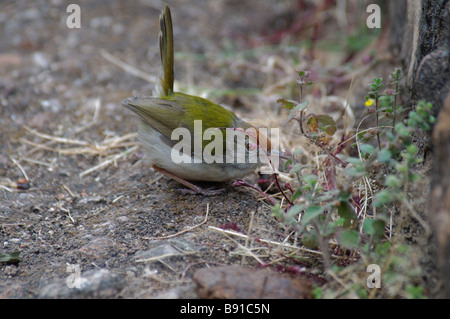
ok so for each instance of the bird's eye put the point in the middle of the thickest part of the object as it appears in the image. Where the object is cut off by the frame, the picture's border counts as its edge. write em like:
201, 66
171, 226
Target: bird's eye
249, 145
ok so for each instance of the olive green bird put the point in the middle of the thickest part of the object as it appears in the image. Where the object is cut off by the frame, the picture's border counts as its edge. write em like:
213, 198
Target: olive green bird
162, 114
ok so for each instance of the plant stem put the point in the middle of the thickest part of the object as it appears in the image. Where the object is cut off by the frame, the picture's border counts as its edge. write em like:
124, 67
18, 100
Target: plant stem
394, 108
242, 183
377, 124
323, 247
281, 190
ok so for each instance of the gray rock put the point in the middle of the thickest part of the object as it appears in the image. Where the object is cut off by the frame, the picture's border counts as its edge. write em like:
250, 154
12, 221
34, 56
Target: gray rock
100, 283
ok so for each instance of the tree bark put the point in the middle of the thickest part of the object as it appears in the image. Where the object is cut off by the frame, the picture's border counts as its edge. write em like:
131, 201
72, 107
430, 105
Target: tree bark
420, 37
420, 34
440, 193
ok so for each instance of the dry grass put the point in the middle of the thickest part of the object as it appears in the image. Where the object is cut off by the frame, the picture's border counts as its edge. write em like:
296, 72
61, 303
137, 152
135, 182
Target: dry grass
109, 150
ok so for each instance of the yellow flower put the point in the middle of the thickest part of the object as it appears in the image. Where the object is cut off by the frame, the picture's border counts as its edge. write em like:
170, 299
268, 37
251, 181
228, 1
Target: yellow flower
369, 102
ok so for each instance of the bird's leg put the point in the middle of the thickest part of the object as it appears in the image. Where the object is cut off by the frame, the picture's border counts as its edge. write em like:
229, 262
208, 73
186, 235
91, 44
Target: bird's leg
194, 189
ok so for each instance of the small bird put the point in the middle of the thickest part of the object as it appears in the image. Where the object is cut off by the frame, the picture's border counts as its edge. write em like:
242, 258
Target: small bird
170, 112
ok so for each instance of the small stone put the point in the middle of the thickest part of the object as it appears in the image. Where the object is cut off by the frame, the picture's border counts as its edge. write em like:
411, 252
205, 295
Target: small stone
160, 249
100, 283
88, 200
236, 282
11, 271
41, 60
52, 105
98, 248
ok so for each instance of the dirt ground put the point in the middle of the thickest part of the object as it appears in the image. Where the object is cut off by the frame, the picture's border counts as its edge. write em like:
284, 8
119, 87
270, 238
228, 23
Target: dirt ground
52, 80
105, 223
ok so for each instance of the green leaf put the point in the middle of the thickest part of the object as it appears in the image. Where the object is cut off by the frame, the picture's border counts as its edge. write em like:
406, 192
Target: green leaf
367, 226
411, 149
294, 211
309, 239
426, 126
345, 210
277, 211
317, 293
401, 168
349, 239
296, 194
287, 164
322, 123
12, 258
383, 249
367, 148
353, 160
414, 292
390, 137
431, 119
310, 180
311, 213
356, 171
401, 129
375, 227
298, 107
327, 124
289, 104
414, 119
296, 168
325, 196
384, 156
382, 198
393, 181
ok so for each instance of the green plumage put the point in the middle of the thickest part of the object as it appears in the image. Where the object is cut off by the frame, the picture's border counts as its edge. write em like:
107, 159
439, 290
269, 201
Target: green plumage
173, 109
166, 50
181, 110
163, 113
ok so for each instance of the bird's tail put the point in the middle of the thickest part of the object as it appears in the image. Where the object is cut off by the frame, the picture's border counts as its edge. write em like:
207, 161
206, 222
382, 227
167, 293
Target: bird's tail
166, 50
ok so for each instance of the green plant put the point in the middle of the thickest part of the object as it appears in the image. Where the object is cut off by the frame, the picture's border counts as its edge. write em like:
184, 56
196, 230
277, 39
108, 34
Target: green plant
317, 293
321, 207
395, 78
414, 292
400, 155
12, 258
374, 95
315, 201
384, 105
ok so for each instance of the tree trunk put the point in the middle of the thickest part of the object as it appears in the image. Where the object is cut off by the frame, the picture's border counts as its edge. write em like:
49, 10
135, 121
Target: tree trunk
421, 38
440, 193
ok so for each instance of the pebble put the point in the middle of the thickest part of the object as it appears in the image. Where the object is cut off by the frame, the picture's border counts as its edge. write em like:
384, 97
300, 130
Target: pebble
52, 105
237, 282
97, 283
98, 248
